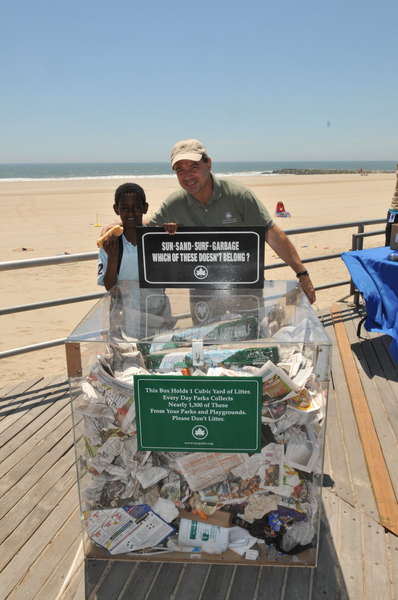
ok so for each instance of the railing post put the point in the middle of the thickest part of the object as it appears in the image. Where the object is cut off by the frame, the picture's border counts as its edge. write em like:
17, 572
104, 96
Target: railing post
352, 287
357, 244
73, 359
361, 229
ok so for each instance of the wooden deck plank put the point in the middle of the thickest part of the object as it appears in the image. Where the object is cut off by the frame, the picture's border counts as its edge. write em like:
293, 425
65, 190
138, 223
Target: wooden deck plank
13, 541
350, 552
139, 583
381, 404
192, 581
298, 584
67, 576
7, 388
39, 398
392, 553
27, 424
22, 393
328, 582
51, 539
378, 471
218, 582
271, 583
166, 582
50, 558
380, 368
23, 390
327, 460
23, 486
331, 509
386, 368
366, 574
244, 583
18, 388
75, 590
17, 459
338, 455
13, 437
93, 574
376, 576
390, 366
114, 580
348, 429
387, 378
42, 493
382, 365
41, 450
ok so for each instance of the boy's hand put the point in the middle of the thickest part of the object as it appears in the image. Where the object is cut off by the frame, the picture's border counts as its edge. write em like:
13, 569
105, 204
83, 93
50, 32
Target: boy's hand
170, 228
111, 246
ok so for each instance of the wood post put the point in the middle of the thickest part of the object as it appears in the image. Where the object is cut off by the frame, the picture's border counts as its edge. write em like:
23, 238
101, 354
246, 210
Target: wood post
73, 359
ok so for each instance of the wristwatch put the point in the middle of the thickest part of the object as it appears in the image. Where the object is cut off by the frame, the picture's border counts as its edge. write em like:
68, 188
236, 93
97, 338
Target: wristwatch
302, 274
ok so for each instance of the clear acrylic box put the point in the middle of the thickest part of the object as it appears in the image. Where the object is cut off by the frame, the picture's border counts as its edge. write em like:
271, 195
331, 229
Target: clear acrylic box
221, 498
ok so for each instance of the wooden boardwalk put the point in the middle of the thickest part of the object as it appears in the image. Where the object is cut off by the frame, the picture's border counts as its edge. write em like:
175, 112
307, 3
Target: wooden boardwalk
41, 555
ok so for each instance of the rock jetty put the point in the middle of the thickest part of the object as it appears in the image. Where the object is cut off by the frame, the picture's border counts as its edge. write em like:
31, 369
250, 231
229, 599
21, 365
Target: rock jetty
314, 171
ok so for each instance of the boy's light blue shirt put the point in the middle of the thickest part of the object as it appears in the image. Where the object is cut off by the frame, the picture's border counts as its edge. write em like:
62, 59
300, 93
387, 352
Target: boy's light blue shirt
128, 267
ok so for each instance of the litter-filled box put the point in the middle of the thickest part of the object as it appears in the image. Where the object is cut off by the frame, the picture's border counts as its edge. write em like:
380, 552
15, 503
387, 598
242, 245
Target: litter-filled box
199, 424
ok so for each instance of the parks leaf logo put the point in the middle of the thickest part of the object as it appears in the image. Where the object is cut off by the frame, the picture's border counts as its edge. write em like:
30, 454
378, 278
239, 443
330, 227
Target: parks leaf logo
200, 432
200, 272
201, 310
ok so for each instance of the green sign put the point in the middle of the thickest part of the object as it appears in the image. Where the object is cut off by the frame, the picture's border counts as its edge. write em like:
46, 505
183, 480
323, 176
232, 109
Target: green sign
187, 414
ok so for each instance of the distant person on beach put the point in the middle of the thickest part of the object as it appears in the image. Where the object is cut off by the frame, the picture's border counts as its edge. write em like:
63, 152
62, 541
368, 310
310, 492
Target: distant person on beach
117, 257
280, 210
206, 200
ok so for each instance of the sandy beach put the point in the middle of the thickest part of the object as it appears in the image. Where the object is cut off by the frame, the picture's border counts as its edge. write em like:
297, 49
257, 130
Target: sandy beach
47, 218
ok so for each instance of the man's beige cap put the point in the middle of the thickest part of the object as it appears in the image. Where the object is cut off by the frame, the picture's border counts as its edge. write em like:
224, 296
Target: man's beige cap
187, 150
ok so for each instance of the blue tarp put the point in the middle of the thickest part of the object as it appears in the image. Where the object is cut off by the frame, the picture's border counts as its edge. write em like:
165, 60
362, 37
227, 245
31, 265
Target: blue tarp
376, 277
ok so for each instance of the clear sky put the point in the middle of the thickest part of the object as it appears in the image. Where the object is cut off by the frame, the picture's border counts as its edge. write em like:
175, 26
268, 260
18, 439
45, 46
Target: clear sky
85, 80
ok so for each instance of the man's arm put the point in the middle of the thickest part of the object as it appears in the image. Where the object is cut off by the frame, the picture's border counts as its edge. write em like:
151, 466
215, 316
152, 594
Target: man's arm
284, 248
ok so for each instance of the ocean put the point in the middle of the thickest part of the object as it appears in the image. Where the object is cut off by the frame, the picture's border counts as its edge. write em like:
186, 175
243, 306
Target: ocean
51, 171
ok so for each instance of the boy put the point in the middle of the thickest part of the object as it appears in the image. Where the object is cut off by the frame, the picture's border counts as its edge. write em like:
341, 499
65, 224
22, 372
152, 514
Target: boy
117, 259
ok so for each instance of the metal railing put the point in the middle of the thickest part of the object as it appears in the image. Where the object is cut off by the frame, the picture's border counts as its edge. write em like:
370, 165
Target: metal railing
357, 244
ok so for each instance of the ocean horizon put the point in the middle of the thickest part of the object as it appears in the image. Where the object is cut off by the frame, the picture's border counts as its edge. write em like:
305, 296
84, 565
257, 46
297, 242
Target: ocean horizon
124, 170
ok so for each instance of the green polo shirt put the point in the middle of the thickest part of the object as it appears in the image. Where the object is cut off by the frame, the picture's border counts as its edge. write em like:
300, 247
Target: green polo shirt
231, 205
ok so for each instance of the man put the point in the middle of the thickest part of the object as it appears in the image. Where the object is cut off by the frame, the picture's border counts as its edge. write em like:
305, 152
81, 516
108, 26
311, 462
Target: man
208, 201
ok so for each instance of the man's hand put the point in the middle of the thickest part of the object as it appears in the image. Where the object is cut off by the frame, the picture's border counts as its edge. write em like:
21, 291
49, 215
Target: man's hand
170, 228
284, 248
308, 288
